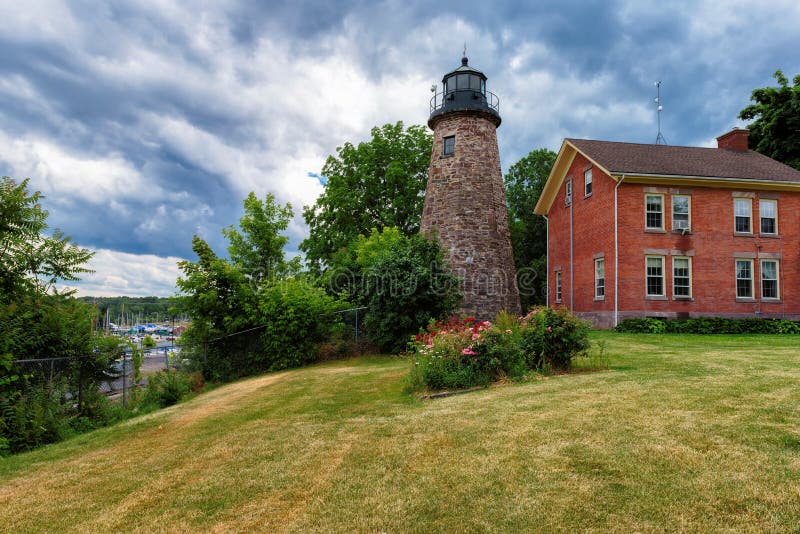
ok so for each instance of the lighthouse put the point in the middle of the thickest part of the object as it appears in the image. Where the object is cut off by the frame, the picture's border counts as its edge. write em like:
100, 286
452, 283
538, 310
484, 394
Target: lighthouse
465, 203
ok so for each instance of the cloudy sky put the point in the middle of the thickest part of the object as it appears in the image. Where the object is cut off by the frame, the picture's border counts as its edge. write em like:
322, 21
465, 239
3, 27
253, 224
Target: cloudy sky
145, 125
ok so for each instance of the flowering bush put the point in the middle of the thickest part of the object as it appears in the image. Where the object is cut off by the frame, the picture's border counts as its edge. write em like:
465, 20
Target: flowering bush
461, 353
451, 355
552, 337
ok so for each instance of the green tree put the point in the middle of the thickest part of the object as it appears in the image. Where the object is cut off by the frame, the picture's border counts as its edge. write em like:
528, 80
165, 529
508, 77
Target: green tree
215, 293
377, 184
405, 284
32, 261
253, 313
37, 398
148, 342
775, 132
258, 248
524, 183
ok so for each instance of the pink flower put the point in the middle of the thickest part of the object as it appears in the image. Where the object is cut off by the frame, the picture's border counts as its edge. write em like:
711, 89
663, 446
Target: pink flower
549, 328
475, 336
469, 352
508, 331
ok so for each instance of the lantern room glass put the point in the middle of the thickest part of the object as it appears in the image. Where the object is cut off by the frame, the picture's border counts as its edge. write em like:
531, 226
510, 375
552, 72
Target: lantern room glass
465, 82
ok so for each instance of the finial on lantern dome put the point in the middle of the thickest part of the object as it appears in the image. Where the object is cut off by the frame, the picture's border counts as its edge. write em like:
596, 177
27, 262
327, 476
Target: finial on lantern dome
464, 60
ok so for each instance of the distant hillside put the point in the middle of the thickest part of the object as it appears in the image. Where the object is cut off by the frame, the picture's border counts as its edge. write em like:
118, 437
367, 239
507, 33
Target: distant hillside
130, 310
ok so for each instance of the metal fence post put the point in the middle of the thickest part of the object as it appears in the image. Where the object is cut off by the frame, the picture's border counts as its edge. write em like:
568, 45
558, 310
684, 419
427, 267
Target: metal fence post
124, 382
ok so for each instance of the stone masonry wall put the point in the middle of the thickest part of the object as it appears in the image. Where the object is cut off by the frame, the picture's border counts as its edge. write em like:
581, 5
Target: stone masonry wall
465, 206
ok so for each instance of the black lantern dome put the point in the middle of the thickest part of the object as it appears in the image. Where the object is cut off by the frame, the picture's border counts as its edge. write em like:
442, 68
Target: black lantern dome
464, 89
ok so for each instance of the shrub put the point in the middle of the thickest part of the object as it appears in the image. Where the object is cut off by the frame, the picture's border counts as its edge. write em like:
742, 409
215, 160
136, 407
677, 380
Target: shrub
296, 317
299, 316
405, 284
148, 342
641, 325
195, 382
166, 388
552, 337
708, 325
462, 353
445, 355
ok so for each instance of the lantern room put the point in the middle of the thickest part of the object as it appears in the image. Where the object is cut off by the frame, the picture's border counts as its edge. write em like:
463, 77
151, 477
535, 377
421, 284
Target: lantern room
464, 89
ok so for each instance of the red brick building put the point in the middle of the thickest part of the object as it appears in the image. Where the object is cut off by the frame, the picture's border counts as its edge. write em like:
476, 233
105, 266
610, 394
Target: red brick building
665, 231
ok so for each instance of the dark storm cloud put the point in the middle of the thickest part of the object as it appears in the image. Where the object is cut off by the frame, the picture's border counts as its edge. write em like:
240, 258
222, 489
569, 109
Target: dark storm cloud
147, 123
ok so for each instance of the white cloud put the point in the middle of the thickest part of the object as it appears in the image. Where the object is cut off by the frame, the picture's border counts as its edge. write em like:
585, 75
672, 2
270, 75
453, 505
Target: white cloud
137, 275
58, 173
259, 115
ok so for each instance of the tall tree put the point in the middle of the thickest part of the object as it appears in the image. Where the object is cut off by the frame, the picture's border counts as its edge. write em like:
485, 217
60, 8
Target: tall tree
377, 184
37, 402
524, 183
32, 261
249, 314
776, 129
258, 248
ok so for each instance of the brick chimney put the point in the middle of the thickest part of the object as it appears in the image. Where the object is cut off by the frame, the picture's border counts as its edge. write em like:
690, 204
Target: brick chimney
736, 139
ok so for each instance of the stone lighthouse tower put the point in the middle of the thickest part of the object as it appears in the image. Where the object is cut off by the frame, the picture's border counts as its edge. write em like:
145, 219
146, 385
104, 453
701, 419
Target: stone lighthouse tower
465, 204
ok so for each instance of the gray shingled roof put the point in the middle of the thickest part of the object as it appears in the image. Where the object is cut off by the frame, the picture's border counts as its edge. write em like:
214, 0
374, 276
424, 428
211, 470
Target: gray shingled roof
634, 158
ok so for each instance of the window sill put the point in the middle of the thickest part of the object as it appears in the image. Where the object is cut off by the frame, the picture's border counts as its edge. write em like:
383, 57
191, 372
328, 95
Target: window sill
587, 196
655, 297
558, 301
683, 299
746, 299
599, 299
654, 231
770, 236
772, 301
743, 234
688, 231
444, 156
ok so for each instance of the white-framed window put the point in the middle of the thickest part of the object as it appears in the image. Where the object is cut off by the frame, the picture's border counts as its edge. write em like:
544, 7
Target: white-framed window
768, 213
681, 277
587, 182
742, 215
558, 286
449, 145
599, 278
568, 193
744, 279
681, 212
770, 288
654, 212
654, 266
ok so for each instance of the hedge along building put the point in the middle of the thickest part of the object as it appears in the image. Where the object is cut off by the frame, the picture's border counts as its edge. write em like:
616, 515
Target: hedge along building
465, 204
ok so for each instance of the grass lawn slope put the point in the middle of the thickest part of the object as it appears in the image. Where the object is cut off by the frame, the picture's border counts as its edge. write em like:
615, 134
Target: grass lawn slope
683, 433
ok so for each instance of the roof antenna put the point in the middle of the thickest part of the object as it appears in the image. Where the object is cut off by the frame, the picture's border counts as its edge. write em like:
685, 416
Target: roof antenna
465, 50
660, 140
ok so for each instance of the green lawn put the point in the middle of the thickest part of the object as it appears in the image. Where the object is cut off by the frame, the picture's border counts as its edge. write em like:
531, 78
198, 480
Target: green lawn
682, 433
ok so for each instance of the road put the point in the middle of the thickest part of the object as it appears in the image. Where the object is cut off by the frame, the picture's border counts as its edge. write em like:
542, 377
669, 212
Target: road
154, 360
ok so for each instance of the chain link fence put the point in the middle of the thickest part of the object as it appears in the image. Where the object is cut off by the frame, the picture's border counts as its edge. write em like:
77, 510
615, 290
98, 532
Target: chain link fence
58, 373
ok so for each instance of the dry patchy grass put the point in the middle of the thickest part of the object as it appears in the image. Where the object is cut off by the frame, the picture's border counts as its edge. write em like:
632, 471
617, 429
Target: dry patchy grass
682, 433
